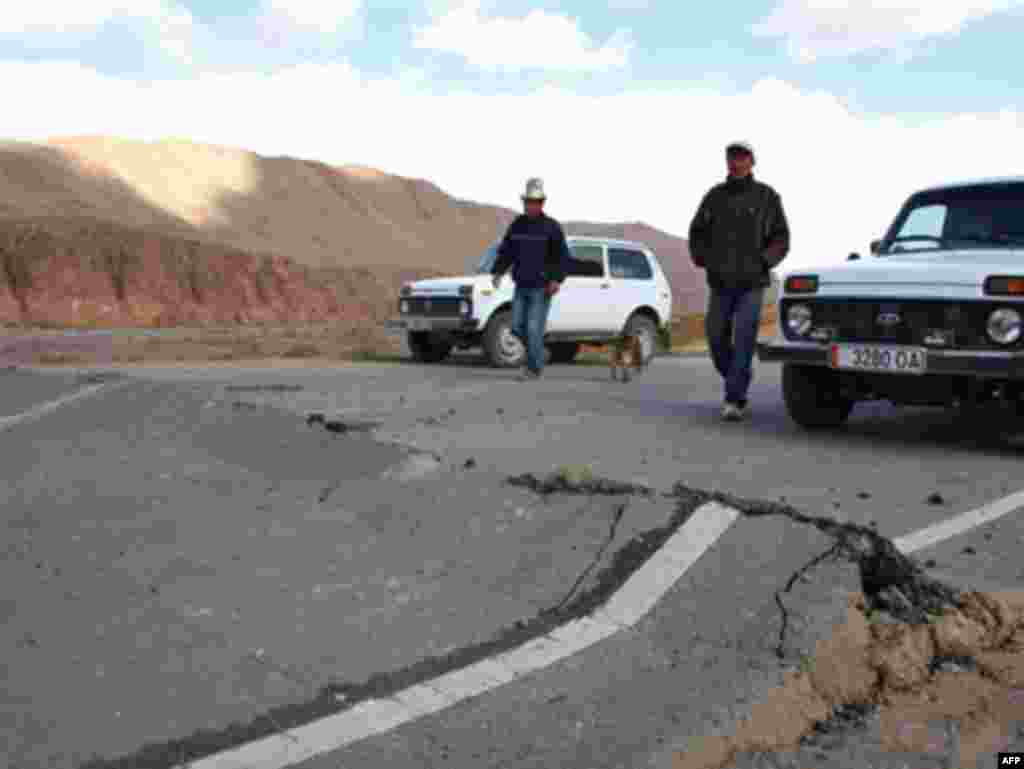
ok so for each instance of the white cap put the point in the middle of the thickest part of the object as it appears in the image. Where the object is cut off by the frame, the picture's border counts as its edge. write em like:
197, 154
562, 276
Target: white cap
534, 189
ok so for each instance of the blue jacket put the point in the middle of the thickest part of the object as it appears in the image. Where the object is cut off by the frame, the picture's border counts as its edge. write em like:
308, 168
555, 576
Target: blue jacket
536, 249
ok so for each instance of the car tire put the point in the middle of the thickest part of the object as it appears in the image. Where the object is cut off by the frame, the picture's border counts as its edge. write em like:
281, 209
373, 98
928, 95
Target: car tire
428, 348
647, 330
564, 352
812, 399
499, 343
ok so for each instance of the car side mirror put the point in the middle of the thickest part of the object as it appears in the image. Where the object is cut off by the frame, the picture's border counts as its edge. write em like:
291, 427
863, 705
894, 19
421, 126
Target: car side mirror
876, 246
853, 257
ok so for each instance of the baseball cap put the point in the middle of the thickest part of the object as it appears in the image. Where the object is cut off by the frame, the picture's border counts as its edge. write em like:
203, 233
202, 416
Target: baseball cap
741, 146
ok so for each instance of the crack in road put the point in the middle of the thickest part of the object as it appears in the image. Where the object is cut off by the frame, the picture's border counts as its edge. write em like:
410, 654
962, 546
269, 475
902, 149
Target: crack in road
891, 581
562, 482
619, 512
337, 696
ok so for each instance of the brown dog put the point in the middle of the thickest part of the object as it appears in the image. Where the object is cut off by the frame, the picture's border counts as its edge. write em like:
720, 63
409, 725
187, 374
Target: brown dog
625, 354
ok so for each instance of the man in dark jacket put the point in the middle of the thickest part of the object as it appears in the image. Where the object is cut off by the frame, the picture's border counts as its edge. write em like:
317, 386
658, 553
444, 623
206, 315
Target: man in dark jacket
738, 235
535, 248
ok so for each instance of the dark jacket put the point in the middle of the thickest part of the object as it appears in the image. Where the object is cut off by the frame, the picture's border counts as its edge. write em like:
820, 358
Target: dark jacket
739, 233
536, 250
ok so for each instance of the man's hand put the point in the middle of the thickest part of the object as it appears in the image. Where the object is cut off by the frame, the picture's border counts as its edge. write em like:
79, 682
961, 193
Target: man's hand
495, 281
553, 287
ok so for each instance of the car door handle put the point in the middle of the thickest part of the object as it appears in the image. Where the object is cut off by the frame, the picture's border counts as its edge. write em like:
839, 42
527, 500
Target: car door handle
605, 285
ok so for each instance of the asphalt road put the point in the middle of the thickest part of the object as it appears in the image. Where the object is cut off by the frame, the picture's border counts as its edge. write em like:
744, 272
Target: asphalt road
184, 550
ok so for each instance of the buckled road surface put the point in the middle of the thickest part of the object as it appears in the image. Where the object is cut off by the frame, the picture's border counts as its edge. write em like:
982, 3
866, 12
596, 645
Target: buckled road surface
185, 549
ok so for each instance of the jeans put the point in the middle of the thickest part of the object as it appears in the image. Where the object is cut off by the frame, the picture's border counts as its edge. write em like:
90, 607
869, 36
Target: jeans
529, 317
734, 312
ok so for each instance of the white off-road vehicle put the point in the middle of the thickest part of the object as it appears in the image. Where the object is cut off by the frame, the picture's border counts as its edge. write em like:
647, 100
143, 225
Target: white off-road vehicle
612, 287
932, 318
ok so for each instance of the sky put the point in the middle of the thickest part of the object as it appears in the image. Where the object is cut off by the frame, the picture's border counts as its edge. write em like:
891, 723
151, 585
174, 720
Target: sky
623, 108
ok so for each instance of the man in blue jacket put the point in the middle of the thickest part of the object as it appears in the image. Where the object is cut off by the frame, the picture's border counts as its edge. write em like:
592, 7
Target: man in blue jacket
535, 248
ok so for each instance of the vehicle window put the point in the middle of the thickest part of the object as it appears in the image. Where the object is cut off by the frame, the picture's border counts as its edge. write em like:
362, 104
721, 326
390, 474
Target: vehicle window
989, 215
586, 261
924, 221
630, 264
484, 264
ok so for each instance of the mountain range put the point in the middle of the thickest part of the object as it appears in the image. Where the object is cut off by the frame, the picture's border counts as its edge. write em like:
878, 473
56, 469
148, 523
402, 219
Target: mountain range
106, 231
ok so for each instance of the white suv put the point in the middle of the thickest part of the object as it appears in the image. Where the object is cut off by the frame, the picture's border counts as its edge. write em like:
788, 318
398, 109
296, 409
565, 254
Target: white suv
934, 318
612, 286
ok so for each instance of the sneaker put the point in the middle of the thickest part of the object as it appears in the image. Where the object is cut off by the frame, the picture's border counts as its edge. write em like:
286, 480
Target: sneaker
731, 412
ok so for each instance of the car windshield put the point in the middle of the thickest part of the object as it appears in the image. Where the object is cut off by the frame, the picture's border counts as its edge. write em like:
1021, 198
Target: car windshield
977, 216
482, 265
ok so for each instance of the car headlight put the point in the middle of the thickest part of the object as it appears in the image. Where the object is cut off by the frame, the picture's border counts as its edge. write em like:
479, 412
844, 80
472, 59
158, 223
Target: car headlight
404, 307
798, 319
1004, 326
464, 307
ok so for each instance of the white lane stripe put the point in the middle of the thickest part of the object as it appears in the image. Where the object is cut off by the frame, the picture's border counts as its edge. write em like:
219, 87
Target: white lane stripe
958, 524
627, 606
45, 408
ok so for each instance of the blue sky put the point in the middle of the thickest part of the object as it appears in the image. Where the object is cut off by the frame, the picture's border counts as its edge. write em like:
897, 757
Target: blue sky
636, 95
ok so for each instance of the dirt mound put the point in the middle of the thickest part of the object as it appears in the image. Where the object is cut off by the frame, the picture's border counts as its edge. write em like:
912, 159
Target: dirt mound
966, 664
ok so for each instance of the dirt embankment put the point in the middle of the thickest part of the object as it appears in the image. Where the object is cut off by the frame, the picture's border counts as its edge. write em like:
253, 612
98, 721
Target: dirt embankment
965, 667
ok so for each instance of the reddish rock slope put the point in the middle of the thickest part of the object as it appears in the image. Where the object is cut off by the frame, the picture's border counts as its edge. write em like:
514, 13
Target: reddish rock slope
98, 231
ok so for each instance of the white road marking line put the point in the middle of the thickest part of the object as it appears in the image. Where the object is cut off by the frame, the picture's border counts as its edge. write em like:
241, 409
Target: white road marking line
624, 609
45, 408
631, 602
958, 524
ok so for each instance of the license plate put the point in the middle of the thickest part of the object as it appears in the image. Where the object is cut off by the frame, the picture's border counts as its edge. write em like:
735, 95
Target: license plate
418, 324
870, 357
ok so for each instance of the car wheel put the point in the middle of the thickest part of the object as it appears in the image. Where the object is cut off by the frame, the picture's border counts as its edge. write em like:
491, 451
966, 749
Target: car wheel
564, 352
811, 394
427, 347
502, 348
645, 328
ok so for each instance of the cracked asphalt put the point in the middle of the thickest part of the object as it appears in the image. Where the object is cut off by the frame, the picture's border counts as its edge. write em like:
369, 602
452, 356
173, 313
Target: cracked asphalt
187, 551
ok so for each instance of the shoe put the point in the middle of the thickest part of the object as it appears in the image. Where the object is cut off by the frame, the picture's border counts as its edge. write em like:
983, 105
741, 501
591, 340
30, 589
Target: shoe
731, 412
527, 375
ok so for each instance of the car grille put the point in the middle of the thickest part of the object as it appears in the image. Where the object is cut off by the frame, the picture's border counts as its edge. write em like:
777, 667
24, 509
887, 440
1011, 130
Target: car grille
434, 306
856, 320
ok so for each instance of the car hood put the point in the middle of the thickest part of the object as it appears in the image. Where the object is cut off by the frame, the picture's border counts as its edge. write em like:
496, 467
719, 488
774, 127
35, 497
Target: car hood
967, 267
450, 286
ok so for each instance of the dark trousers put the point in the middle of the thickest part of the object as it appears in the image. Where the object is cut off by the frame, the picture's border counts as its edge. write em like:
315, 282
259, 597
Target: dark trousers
731, 326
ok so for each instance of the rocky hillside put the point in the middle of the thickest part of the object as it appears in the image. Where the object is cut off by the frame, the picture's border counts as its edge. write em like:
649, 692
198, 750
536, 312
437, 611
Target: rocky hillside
102, 231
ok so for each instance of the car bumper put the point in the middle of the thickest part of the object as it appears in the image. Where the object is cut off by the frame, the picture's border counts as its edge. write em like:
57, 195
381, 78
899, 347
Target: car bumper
976, 363
419, 323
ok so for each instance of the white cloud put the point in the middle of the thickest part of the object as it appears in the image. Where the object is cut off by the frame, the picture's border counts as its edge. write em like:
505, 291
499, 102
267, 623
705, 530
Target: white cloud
632, 156
76, 15
64, 23
814, 29
539, 40
323, 16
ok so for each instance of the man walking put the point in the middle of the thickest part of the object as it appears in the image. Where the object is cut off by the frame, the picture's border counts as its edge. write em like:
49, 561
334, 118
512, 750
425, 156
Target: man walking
738, 235
535, 248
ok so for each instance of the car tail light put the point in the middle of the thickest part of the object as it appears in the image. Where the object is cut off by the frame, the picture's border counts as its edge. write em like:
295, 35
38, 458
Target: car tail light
801, 284
1004, 285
